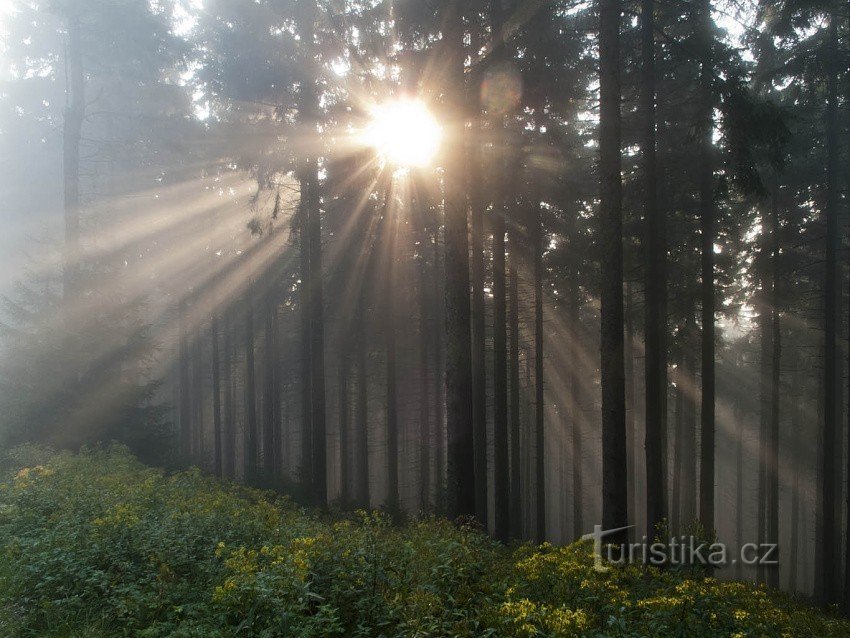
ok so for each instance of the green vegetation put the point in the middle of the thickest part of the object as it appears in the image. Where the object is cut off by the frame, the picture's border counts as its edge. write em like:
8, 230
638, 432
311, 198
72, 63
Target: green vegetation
98, 544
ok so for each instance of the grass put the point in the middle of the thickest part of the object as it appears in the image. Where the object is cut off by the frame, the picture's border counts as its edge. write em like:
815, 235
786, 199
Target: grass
97, 544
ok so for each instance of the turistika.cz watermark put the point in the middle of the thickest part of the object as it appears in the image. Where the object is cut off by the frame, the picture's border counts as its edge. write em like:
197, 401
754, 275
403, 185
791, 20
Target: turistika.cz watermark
677, 551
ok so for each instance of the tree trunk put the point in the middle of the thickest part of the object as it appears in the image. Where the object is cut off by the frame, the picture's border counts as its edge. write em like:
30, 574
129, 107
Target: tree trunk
539, 404
655, 305
739, 489
688, 501
461, 456
515, 422
614, 483
271, 391
772, 522
344, 372
832, 393
251, 465
629, 369
765, 390
308, 110
229, 401
575, 411
479, 365
362, 449
678, 449
425, 398
706, 198
390, 239
799, 443
185, 394
216, 381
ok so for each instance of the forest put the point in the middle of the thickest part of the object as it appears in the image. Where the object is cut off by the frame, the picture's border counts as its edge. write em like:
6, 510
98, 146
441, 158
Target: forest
407, 317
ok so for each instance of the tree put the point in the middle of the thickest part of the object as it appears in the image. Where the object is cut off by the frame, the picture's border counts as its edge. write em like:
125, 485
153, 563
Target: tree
655, 285
614, 480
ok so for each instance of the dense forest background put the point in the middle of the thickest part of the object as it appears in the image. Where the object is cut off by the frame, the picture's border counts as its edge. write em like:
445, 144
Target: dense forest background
617, 295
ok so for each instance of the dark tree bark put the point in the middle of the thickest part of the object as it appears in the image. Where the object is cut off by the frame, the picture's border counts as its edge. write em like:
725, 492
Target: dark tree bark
229, 400
739, 487
440, 425
501, 468
772, 522
461, 456
688, 502
575, 411
425, 322
344, 372
216, 381
271, 391
308, 109
251, 456
765, 403
196, 361
707, 223
479, 366
362, 409
614, 482
655, 269
678, 447
798, 444
539, 403
185, 390
390, 239
832, 393
629, 371
516, 499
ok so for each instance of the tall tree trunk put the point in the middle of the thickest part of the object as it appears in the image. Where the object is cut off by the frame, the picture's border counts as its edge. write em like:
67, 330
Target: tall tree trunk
655, 269
772, 522
362, 410
271, 392
251, 465
832, 393
344, 372
539, 404
440, 424
501, 468
425, 321
185, 394
461, 456
766, 302
739, 488
390, 291
197, 393
308, 114
576, 415
479, 365
678, 448
229, 400
629, 369
688, 501
614, 483
707, 213
515, 425
216, 381
798, 444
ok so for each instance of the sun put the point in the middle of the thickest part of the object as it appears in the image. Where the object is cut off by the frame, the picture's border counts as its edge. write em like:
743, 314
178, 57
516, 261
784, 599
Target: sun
404, 133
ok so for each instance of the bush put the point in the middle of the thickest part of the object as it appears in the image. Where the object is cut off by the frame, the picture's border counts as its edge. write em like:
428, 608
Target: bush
98, 544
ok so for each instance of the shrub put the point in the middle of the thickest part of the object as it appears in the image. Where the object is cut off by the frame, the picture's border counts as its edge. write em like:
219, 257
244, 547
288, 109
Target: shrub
98, 544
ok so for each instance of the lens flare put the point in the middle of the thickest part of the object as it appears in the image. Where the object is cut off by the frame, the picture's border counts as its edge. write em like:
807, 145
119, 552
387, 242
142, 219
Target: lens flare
404, 132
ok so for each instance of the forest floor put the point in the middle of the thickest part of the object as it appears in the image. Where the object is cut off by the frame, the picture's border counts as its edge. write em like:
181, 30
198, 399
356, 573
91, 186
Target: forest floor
98, 544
